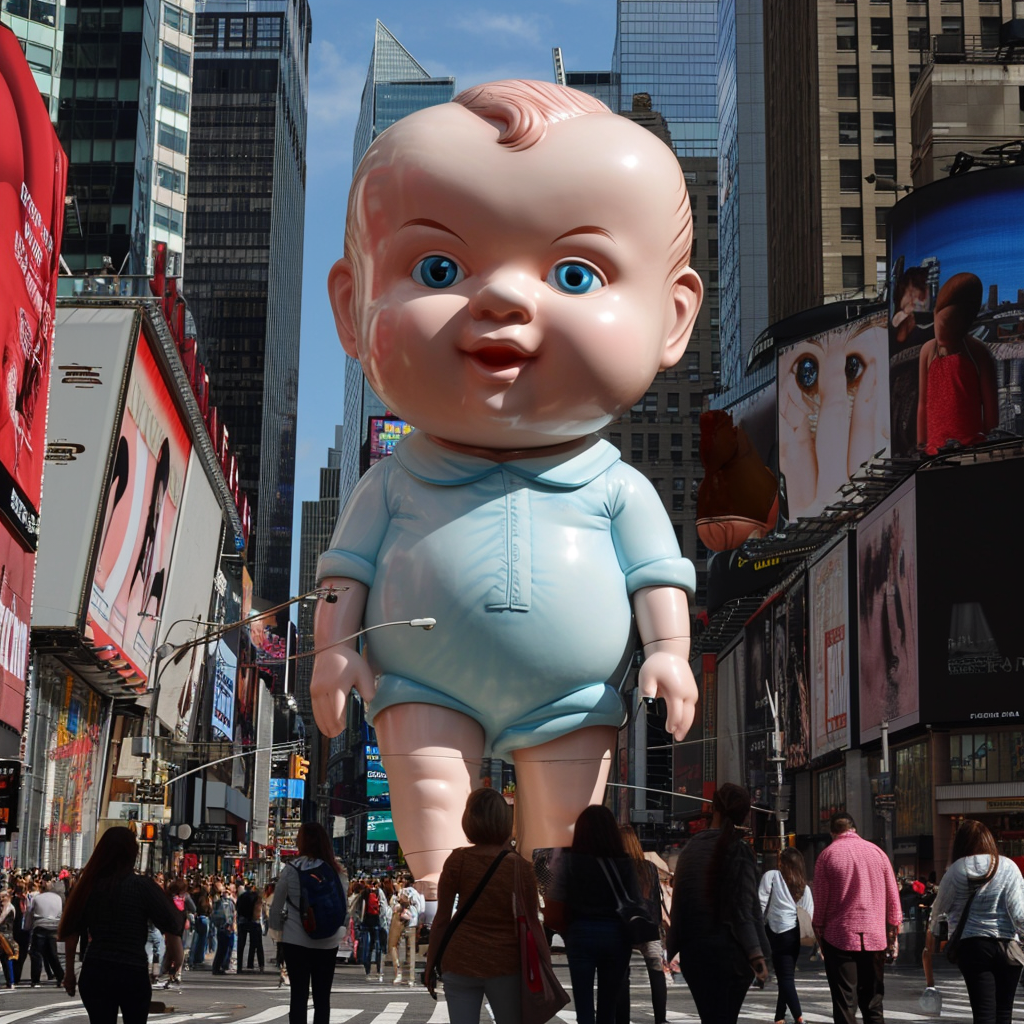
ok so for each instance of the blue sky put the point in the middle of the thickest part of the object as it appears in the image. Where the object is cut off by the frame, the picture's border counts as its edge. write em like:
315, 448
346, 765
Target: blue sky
474, 41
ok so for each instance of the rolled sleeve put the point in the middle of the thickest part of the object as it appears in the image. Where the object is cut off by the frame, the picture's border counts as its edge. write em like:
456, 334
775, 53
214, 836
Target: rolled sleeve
360, 531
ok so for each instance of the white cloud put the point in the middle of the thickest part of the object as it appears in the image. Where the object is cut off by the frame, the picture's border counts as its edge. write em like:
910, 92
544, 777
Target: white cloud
335, 84
502, 27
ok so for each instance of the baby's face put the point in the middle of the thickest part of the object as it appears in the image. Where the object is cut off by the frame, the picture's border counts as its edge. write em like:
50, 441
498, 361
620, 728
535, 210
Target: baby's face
516, 299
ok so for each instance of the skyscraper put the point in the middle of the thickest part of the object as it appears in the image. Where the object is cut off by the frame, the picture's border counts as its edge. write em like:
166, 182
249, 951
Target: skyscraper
668, 48
742, 215
396, 85
39, 26
243, 272
125, 93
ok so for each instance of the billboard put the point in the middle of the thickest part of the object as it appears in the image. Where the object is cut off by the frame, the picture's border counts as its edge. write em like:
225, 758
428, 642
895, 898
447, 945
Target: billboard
91, 356
384, 434
789, 647
140, 512
16, 571
378, 792
757, 716
33, 175
833, 410
887, 614
970, 566
380, 828
956, 316
223, 720
730, 755
828, 585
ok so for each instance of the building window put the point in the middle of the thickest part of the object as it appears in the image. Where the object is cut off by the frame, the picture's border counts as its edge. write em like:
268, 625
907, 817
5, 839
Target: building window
881, 81
881, 273
712, 248
165, 217
678, 502
831, 794
915, 74
39, 57
676, 441
672, 403
175, 59
653, 442
173, 99
881, 35
849, 175
849, 129
846, 33
171, 137
650, 406
885, 169
990, 29
679, 483
917, 33
176, 18
969, 757
880, 223
851, 222
848, 82
853, 273
912, 783
167, 177
885, 127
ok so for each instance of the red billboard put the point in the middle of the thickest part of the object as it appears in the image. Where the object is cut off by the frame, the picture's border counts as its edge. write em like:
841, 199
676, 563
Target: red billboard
140, 513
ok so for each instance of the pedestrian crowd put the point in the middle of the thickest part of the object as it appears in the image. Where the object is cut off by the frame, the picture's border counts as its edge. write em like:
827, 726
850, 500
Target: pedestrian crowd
715, 919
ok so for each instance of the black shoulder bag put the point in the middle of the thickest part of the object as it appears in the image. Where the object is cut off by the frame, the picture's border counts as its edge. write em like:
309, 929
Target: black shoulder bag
465, 906
953, 945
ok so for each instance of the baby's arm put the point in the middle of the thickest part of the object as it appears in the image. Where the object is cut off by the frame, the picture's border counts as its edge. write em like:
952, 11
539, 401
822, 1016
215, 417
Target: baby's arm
338, 667
663, 619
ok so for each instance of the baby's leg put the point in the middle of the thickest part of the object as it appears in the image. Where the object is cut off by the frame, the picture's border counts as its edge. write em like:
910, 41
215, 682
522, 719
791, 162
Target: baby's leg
555, 781
432, 758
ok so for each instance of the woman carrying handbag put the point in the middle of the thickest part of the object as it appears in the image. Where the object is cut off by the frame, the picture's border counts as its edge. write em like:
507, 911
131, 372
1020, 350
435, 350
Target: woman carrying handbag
982, 896
478, 949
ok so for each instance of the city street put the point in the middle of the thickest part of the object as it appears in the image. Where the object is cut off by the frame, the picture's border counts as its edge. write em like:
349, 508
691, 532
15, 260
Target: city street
256, 999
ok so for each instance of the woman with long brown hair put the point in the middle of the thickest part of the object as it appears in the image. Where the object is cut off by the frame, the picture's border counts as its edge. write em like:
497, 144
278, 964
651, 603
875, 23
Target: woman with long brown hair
781, 892
982, 895
310, 941
716, 927
113, 905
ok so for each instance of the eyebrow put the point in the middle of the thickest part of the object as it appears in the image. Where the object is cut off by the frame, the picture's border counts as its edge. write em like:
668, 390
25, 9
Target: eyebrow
586, 229
424, 222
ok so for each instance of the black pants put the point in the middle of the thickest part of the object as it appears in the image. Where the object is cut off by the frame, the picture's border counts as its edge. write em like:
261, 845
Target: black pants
22, 938
309, 967
718, 976
43, 950
991, 984
107, 988
856, 979
785, 951
253, 931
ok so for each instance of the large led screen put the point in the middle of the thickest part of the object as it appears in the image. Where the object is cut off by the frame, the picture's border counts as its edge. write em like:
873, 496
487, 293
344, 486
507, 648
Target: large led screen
833, 410
828, 596
956, 318
757, 718
384, 434
226, 670
140, 513
729, 720
887, 596
789, 648
970, 567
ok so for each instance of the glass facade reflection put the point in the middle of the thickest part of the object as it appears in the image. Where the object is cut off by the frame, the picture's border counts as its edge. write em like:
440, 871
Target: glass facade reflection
742, 228
39, 26
246, 192
396, 85
668, 48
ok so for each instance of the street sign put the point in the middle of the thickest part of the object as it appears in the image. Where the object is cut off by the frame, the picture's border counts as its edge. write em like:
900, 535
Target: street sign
210, 837
885, 801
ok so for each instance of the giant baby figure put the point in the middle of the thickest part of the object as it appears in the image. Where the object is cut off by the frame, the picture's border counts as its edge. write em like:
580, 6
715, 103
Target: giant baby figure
515, 274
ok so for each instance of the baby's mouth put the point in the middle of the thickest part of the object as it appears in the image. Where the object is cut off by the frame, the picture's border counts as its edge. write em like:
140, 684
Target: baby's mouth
499, 362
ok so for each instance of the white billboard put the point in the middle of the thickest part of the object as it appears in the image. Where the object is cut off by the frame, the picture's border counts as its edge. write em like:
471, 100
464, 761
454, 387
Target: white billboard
829, 629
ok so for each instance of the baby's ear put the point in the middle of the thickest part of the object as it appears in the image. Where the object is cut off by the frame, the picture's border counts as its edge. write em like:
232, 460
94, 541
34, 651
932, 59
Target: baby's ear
341, 288
686, 293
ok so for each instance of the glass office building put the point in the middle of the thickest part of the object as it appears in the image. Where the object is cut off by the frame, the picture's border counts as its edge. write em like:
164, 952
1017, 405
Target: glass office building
243, 269
742, 222
396, 85
39, 26
668, 48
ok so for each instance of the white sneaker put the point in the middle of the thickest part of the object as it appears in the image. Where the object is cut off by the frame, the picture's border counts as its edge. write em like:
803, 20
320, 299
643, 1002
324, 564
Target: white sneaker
398, 979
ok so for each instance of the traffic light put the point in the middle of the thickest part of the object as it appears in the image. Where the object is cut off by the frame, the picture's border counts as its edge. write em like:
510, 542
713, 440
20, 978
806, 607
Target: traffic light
298, 767
147, 832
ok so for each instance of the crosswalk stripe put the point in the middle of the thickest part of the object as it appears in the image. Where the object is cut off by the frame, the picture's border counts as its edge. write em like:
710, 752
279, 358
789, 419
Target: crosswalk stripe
440, 1014
9, 1018
337, 1016
271, 1013
391, 1014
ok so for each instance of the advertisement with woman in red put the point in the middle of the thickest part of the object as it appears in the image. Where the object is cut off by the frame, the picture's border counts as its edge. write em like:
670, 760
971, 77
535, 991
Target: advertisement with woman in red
139, 518
33, 174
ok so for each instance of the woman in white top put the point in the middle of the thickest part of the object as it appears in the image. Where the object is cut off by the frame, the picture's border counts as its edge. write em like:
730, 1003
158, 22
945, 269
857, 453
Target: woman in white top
406, 907
781, 892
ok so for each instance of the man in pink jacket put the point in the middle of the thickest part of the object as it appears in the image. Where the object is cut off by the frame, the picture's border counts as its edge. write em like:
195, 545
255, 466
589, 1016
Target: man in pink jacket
857, 917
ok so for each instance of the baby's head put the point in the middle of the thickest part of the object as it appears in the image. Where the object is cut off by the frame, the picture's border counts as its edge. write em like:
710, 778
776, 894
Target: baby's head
516, 266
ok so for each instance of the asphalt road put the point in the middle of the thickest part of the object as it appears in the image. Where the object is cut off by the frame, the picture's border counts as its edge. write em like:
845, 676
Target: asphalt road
256, 999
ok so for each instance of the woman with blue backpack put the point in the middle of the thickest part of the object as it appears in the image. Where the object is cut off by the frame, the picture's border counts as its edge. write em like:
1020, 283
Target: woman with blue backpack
309, 909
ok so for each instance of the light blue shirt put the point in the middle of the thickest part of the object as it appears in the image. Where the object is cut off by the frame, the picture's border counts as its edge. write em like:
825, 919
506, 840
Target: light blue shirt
777, 902
528, 567
997, 911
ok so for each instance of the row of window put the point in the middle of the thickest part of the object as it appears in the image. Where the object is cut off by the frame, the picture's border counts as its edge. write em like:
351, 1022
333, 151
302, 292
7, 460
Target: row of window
174, 58
883, 126
918, 34
171, 219
171, 137
240, 32
168, 177
177, 19
174, 99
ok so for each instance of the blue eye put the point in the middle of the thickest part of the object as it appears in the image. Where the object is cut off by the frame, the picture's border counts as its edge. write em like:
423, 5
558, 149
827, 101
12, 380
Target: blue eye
574, 278
437, 272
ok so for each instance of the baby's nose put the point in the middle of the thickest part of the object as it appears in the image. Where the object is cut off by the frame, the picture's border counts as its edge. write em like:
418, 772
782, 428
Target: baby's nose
504, 296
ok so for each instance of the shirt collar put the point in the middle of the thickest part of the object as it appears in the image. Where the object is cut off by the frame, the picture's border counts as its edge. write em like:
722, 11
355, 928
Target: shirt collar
433, 464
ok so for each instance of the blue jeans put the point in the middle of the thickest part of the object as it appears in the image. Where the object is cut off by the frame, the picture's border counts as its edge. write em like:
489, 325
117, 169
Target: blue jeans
225, 943
596, 946
199, 935
370, 947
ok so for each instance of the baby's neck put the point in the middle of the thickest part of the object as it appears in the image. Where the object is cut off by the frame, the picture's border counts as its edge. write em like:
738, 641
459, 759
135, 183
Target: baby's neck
510, 454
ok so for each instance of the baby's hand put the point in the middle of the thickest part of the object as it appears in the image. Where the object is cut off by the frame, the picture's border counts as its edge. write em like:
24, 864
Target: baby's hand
335, 672
667, 674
